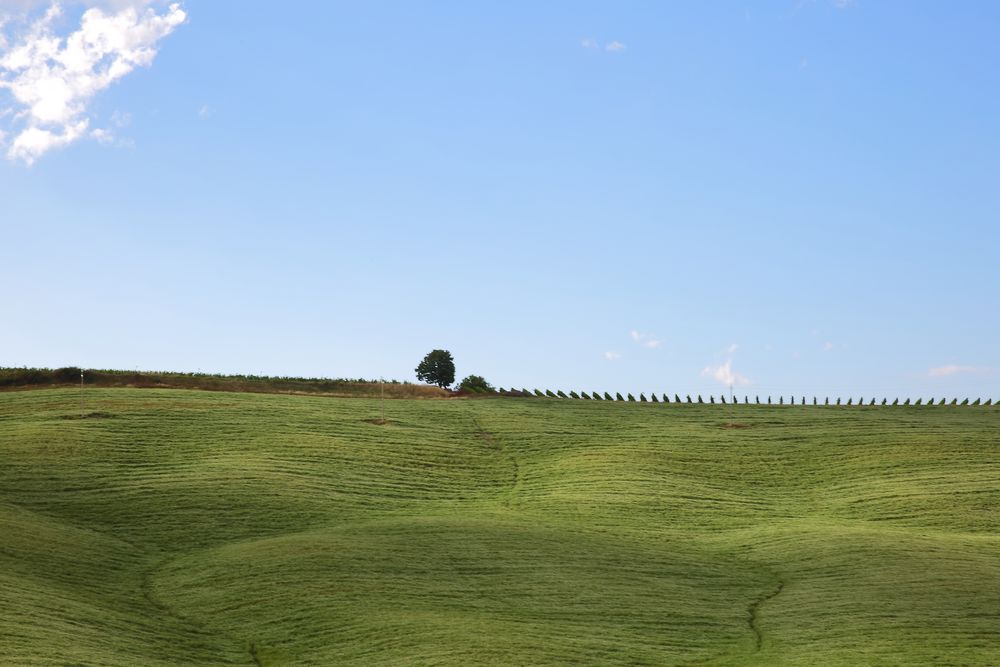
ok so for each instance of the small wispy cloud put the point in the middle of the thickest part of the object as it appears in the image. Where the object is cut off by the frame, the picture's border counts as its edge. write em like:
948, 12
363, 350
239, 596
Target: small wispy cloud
205, 111
102, 136
827, 346
732, 348
614, 46
612, 356
725, 374
52, 79
844, 4
954, 369
646, 340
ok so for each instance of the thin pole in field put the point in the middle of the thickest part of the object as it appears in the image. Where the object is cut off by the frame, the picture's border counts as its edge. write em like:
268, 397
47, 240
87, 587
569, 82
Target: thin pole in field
381, 397
732, 401
81, 393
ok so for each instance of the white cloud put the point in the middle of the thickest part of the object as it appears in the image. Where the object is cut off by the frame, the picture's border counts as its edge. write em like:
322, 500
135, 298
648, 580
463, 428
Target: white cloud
34, 141
102, 136
612, 356
588, 43
725, 374
107, 137
954, 369
827, 346
614, 47
844, 4
205, 111
52, 79
646, 340
732, 348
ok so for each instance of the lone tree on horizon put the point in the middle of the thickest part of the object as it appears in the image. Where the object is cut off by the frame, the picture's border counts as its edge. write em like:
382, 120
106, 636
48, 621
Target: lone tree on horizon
438, 367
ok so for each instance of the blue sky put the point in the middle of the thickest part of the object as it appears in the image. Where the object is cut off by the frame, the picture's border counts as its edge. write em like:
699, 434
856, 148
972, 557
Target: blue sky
798, 196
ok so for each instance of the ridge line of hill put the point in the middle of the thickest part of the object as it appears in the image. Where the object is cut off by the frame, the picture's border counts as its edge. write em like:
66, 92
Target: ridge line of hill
14, 379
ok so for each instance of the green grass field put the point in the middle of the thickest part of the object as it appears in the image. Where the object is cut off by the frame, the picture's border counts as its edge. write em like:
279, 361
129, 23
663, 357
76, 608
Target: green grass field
181, 527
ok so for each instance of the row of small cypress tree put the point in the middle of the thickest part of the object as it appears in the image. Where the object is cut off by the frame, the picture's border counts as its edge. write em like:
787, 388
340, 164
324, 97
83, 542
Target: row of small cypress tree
664, 398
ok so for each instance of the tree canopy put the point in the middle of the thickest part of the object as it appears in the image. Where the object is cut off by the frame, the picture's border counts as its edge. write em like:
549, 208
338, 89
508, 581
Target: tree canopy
437, 367
475, 383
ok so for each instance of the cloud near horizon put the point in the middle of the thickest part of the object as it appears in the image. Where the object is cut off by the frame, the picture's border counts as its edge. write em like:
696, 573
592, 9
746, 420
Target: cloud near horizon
725, 374
52, 79
954, 369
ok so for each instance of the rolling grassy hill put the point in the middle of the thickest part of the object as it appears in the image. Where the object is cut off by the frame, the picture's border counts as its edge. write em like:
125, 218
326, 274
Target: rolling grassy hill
178, 527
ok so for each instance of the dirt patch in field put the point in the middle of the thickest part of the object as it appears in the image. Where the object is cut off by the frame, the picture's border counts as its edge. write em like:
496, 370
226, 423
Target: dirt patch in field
378, 422
735, 425
90, 415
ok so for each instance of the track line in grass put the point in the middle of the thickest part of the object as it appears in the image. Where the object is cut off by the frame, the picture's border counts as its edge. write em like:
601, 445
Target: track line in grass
755, 607
495, 442
254, 655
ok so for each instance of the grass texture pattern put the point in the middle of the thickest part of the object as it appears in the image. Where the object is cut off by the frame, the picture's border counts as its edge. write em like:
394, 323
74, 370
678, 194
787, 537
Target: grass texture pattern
171, 527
